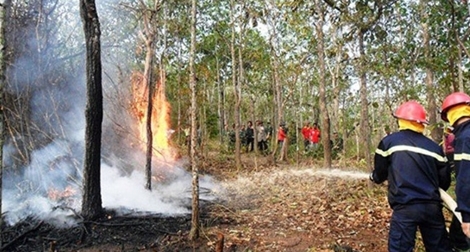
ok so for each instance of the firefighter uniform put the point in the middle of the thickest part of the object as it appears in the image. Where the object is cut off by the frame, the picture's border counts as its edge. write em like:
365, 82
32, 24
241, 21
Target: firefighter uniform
415, 168
456, 111
462, 171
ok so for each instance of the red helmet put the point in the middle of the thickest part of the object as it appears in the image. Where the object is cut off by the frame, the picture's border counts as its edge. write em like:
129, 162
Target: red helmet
411, 111
452, 100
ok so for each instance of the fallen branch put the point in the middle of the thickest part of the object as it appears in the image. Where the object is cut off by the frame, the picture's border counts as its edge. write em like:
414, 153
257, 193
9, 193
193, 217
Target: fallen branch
21, 236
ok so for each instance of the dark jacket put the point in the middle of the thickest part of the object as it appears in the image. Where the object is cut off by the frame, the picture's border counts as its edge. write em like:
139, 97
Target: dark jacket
249, 133
414, 166
462, 168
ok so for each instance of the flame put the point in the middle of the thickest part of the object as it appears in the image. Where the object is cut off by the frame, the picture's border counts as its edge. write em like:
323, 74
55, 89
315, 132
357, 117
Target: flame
161, 130
57, 195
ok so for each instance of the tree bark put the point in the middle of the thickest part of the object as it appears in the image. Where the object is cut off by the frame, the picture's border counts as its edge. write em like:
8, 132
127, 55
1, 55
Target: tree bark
236, 88
148, 76
364, 123
325, 136
429, 79
4, 12
91, 204
194, 232
221, 106
277, 88
149, 27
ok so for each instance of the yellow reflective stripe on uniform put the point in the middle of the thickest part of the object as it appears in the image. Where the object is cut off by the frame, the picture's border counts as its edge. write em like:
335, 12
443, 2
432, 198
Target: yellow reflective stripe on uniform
412, 149
462, 156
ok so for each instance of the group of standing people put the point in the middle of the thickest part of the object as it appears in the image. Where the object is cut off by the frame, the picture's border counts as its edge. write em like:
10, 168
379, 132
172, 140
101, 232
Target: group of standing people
416, 167
311, 136
247, 136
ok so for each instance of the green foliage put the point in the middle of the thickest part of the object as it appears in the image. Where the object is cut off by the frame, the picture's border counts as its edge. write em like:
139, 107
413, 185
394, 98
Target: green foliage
211, 124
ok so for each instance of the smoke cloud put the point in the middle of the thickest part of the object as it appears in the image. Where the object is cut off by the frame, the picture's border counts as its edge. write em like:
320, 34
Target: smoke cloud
51, 194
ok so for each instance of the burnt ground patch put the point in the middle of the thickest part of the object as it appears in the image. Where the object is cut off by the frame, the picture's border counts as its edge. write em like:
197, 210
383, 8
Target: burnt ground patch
146, 232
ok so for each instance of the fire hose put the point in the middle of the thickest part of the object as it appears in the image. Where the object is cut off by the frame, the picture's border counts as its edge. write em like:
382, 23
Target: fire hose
450, 204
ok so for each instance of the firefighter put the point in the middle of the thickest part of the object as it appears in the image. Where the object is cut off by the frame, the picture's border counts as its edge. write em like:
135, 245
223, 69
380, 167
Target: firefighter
415, 167
456, 111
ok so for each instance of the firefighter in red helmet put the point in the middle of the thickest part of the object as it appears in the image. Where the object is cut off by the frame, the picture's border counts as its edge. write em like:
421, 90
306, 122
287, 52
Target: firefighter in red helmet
456, 111
415, 167
452, 106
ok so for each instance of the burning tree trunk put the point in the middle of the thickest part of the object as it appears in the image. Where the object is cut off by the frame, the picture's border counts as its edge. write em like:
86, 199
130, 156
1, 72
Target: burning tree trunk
91, 204
194, 232
147, 81
149, 38
3, 56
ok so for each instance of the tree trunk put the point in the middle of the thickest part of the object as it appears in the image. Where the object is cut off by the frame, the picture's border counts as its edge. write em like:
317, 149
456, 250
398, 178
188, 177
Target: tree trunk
236, 88
194, 232
435, 132
148, 82
364, 123
91, 204
4, 12
221, 107
149, 27
325, 137
277, 88
335, 79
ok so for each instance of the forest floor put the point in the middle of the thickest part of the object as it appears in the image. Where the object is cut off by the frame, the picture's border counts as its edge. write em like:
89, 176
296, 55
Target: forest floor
287, 206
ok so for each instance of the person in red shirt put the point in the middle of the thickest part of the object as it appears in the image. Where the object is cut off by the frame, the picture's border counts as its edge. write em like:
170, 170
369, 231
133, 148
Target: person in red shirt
315, 136
281, 135
305, 131
282, 141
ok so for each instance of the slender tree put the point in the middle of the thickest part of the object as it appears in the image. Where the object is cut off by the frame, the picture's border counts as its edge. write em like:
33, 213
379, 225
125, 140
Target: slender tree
220, 105
364, 123
429, 79
92, 204
4, 8
149, 37
322, 79
236, 86
364, 27
272, 19
194, 232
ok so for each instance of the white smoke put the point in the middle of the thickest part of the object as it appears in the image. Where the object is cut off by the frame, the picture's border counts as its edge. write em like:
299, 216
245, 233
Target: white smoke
127, 193
27, 196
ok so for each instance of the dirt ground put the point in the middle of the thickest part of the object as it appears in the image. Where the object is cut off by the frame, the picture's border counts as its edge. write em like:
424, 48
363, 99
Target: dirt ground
287, 206
300, 207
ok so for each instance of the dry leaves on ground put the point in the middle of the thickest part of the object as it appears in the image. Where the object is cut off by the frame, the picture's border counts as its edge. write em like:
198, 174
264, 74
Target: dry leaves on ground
303, 210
